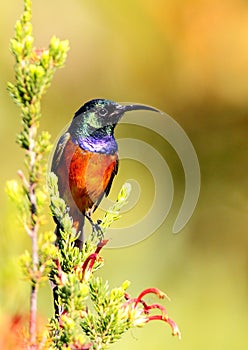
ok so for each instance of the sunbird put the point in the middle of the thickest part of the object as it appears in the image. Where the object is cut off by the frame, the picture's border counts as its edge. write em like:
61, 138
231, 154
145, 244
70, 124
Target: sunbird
86, 158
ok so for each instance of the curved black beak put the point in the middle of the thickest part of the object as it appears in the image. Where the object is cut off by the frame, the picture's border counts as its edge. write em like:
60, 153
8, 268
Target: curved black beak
119, 111
127, 108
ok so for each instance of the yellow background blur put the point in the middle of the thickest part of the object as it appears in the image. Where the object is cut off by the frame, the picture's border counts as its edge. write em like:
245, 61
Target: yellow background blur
190, 59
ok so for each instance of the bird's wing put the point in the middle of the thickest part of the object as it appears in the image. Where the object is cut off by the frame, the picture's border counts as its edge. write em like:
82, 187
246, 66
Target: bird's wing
115, 171
106, 192
59, 151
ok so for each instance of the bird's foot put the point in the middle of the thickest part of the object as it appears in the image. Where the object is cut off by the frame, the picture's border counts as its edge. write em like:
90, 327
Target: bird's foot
96, 228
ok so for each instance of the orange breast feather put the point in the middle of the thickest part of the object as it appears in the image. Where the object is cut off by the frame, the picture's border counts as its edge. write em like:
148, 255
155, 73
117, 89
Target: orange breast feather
88, 175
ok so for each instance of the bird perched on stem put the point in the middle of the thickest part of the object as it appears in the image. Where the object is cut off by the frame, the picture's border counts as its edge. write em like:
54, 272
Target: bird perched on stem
86, 158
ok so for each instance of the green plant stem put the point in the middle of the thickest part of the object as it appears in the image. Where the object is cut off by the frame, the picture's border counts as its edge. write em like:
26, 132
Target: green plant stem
35, 257
30, 187
34, 290
33, 316
32, 231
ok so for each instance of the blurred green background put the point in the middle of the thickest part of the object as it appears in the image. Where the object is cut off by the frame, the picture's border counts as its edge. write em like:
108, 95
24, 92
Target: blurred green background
190, 59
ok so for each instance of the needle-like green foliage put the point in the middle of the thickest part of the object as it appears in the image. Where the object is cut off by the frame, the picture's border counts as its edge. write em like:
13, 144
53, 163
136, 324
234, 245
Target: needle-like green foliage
34, 69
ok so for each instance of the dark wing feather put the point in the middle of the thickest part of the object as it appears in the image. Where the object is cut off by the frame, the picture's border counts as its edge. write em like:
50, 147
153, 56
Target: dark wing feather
59, 151
107, 190
115, 171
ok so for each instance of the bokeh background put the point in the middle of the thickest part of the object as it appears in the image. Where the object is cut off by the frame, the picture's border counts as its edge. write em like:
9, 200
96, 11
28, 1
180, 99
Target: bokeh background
190, 59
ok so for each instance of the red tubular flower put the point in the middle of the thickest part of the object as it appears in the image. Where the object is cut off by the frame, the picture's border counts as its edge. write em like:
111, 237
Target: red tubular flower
174, 327
91, 259
100, 245
156, 291
147, 309
144, 315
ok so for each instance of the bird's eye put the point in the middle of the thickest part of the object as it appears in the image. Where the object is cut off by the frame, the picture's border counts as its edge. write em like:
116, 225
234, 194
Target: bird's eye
102, 112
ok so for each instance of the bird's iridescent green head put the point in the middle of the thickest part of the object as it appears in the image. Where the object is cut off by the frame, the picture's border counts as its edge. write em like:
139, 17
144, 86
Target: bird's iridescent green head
97, 114
102, 114
94, 123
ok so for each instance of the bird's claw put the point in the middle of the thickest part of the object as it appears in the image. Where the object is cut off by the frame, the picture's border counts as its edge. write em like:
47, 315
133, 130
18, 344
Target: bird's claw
96, 228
